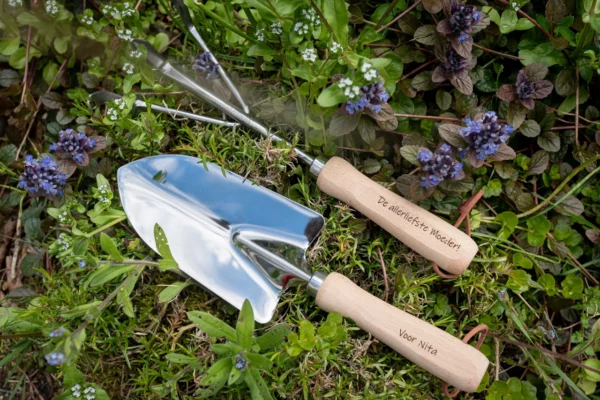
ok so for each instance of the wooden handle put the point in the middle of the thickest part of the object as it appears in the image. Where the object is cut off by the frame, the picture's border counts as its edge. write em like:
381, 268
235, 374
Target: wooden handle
428, 235
440, 353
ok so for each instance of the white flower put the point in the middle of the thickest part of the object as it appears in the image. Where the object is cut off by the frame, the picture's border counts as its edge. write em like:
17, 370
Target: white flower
260, 35
515, 5
128, 68
352, 92
309, 55
127, 10
276, 28
371, 74
335, 47
15, 3
120, 103
62, 242
51, 7
86, 19
311, 16
301, 28
344, 82
135, 54
63, 217
112, 114
77, 394
125, 34
365, 67
76, 388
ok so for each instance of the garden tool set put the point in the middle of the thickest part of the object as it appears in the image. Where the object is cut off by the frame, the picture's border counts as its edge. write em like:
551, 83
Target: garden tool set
425, 233
242, 241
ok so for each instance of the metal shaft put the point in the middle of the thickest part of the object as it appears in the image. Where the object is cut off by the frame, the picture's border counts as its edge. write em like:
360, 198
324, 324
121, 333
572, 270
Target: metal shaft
221, 71
229, 109
195, 117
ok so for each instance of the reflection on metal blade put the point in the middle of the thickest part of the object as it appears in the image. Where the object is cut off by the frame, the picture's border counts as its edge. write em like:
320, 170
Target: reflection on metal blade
237, 239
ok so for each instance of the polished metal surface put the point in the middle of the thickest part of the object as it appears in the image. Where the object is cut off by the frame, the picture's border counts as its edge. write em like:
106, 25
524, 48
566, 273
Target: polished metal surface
315, 282
235, 238
104, 96
156, 61
187, 20
318, 164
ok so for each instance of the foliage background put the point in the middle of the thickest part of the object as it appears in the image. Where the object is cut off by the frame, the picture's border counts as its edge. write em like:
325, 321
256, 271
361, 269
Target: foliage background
534, 282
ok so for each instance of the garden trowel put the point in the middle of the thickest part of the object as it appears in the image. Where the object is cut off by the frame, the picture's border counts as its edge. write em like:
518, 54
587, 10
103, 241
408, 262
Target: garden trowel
242, 241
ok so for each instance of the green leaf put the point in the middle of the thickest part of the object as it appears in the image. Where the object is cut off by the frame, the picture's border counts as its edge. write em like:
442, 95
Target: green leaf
307, 335
107, 273
342, 124
549, 141
508, 21
162, 244
331, 96
593, 363
259, 361
409, 153
8, 154
572, 287
336, 14
169, 293
366, 129
548, 283
211, 325
180, 358
566, 82
555, 11
110, 247
538, 228
215, 378
523, 24
245, 326
538, 163
274, 338
443, 99
518, 281
427, 35
544, 52
258, 388
226, 349
80, 310
522, 261
9, 46
61, 44
234, 375
530, 128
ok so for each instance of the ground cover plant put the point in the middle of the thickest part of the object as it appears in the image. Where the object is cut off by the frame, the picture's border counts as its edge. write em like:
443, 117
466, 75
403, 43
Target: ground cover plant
483, 111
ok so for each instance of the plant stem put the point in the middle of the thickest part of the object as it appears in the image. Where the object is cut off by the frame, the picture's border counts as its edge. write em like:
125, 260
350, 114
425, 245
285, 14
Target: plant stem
433, 117
104, 227
387, 12
402, 14
560, 187
577, 107
583, 35
497, 52
533, 21
414, 71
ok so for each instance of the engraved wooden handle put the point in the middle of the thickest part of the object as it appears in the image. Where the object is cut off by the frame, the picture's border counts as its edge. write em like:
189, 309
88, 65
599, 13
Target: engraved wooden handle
425, 233
440, 353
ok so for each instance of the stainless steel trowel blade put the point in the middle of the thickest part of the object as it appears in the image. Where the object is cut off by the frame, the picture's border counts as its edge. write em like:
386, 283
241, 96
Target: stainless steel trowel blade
215, 221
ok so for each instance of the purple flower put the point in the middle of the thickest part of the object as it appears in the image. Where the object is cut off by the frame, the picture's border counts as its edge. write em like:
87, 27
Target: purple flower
373, 96
240, 362
74, 146
206, 66
439, 166
55, 358
454, 68
530, 85
42, 178
485, 135
82, 263
57, 332
461, 22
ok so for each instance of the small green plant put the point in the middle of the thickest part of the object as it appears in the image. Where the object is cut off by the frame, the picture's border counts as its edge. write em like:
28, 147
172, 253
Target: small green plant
320, 340
243, 357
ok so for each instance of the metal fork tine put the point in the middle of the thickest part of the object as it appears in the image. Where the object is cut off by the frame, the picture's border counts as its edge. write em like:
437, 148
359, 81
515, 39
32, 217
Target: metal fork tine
187, 20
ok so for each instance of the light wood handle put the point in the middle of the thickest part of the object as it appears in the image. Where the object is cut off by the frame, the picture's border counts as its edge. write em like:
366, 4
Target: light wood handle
440, 353
425, 233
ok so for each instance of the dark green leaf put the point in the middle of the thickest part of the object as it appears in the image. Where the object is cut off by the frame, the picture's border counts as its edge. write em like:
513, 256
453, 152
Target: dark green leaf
110, 247
530, 128
549, 141
566, 82
343, 123
538, 163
